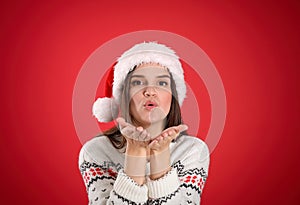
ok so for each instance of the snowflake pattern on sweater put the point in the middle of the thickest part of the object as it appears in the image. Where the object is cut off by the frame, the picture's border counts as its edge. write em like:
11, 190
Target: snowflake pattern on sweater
106, 183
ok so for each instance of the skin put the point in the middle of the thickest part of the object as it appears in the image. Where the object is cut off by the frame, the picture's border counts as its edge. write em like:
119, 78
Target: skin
146, 139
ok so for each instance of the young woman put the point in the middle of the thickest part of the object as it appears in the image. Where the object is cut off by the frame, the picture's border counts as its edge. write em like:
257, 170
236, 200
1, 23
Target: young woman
147, 158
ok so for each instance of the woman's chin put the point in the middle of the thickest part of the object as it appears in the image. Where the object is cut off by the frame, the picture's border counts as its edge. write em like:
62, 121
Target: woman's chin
148, 118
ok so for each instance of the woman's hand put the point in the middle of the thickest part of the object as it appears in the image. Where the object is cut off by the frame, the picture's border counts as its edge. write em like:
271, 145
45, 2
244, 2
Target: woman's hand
133, 135
162, 142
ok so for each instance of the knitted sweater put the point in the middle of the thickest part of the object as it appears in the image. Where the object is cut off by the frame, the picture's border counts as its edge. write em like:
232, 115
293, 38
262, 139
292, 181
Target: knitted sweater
101, 166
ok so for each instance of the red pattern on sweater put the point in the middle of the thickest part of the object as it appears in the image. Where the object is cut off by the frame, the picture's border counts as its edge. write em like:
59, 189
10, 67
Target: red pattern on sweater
94, 172
195, 180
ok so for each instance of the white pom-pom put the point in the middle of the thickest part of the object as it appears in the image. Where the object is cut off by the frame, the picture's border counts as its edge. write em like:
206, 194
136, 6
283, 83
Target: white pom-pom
105, 109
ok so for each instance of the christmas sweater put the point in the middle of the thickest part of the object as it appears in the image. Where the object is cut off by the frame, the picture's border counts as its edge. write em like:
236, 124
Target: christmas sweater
102, 168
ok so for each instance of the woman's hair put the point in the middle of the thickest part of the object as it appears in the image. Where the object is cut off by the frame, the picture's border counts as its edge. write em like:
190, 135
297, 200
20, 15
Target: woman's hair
173, 118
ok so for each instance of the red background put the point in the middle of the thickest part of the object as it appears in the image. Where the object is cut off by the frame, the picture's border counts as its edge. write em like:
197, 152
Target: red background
254, 45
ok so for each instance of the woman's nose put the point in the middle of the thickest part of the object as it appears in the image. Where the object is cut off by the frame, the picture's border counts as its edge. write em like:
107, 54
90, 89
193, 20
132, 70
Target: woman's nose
150, 91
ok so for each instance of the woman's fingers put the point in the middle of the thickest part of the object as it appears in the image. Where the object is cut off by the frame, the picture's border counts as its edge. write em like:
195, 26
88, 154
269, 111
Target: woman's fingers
164, 139
160, 142
136, 134
154, 144
174, 131
121, 122
132, 132
177, 129
127, 131
165, 134
181, 128
144, 136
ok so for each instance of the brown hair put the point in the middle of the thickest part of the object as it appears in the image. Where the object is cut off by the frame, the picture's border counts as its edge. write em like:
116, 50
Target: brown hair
173, 118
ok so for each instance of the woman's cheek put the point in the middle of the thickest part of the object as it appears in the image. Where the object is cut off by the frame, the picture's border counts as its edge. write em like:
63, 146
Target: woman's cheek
166, 99
137, 90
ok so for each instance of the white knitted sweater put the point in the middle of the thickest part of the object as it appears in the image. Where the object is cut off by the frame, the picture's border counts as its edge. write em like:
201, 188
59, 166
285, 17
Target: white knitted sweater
101, 166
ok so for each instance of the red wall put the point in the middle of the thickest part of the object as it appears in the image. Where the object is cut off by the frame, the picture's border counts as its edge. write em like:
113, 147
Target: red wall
254, 46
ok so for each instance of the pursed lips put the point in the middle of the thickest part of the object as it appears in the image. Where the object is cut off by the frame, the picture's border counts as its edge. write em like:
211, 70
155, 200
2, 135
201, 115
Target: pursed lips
149, 105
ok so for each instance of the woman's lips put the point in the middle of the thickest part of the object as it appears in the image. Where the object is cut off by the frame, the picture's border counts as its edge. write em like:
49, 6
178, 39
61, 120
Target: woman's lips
149, 105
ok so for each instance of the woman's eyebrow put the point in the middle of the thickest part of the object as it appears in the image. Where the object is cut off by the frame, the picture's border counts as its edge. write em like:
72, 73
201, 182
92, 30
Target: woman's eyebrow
138, 76
163, 76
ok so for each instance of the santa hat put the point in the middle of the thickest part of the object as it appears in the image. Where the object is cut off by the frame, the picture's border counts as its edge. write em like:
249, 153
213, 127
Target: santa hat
106, 109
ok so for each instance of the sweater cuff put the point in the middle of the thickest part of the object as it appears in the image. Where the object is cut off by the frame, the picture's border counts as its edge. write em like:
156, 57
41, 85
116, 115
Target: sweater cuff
126, 187
163, 186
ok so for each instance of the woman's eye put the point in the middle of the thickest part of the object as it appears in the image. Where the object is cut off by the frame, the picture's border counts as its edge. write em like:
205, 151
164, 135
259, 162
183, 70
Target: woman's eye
162, 83
136, 82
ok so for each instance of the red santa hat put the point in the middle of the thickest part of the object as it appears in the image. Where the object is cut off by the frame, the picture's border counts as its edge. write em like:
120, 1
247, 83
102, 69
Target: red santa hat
106, 109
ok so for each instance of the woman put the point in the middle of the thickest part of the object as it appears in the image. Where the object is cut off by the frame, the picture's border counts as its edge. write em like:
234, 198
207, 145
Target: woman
147, 158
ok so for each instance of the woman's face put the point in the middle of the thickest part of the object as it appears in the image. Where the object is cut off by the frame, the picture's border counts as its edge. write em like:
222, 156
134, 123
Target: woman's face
150, 94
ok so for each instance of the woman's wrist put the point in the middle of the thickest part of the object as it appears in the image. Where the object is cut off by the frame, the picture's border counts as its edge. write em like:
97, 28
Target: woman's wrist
155, 152
136, 150
159, 163
135, 163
